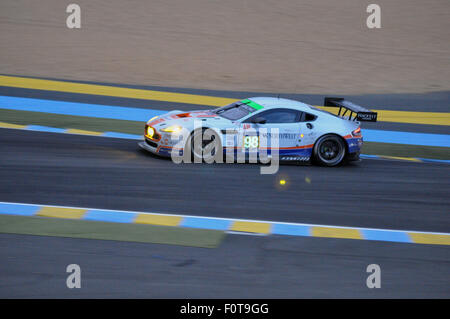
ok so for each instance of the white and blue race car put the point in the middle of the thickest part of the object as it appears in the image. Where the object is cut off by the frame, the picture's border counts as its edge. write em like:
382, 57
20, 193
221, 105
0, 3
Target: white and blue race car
292, 130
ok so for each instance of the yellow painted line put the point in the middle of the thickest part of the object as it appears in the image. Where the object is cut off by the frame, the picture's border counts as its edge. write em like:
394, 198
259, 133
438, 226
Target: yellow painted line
432, 118
435, 239
251, 227
401, 158
334, 232
72, 87
83, 132
162, 220
61, 212
8, 125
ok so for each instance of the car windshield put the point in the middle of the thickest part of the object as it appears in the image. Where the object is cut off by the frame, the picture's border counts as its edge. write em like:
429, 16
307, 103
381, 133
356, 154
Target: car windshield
234, 111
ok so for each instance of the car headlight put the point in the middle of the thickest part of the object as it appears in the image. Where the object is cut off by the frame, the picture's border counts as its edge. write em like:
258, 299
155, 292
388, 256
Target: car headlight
150, 131
172, 129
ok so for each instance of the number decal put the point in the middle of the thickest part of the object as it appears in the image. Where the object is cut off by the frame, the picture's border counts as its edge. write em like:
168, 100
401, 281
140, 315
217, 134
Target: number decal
251, 141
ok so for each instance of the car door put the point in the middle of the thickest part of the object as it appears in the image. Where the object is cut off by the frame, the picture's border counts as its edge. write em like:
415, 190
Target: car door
258, 132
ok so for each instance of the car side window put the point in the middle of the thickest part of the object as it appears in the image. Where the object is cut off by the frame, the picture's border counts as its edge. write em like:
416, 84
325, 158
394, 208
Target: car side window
306, 117
278, 116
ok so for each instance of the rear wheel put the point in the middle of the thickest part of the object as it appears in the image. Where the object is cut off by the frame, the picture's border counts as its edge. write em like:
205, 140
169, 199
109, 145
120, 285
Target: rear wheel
329, 150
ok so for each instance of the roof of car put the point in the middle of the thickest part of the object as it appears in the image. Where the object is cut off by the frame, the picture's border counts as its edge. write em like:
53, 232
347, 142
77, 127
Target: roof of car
274, 102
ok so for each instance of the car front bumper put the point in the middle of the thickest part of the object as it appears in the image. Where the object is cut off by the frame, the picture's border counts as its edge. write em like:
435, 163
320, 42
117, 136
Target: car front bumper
159, 149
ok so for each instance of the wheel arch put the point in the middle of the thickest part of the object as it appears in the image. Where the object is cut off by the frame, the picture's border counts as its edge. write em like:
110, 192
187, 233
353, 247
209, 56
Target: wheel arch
333, 133
313, 153
203, 128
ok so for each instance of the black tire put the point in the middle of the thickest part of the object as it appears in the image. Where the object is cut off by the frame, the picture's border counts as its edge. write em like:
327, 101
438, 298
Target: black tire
196, 151
329, 150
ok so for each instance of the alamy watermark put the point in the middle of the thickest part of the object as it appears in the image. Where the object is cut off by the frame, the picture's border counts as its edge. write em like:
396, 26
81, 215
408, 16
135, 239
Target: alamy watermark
206, 145
374, 279
374, 19
73, 21
74, 279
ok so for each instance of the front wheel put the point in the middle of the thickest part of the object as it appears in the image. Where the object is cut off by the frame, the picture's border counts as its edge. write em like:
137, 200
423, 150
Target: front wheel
329, 150
204, 146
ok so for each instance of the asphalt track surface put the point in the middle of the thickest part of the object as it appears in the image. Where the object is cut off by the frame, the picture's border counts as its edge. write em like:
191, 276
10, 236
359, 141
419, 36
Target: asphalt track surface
57, 169
96, 172
242, 267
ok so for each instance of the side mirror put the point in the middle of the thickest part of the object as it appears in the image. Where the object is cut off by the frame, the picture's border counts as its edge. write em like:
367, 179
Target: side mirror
259, 120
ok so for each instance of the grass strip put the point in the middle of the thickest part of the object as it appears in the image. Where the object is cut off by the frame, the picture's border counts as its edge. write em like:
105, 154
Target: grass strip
31, 225
403, 150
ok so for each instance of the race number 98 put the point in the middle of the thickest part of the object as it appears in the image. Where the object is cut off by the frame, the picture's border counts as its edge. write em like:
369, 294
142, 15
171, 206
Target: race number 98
251, 141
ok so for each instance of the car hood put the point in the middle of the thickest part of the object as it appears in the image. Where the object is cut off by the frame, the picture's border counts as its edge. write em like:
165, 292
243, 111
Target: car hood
186, 119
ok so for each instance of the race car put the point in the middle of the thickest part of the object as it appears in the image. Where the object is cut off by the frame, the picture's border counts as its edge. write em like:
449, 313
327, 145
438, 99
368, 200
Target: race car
289, 129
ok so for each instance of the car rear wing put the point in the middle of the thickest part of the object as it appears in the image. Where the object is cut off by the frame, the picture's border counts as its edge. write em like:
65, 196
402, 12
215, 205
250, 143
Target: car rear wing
360, 113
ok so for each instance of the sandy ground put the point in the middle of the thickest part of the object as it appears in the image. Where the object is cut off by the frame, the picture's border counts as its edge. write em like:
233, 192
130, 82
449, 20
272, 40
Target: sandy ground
320, 46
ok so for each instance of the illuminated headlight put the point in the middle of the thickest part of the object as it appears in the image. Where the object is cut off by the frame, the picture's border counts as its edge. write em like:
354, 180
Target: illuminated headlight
150, 131
172, 129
